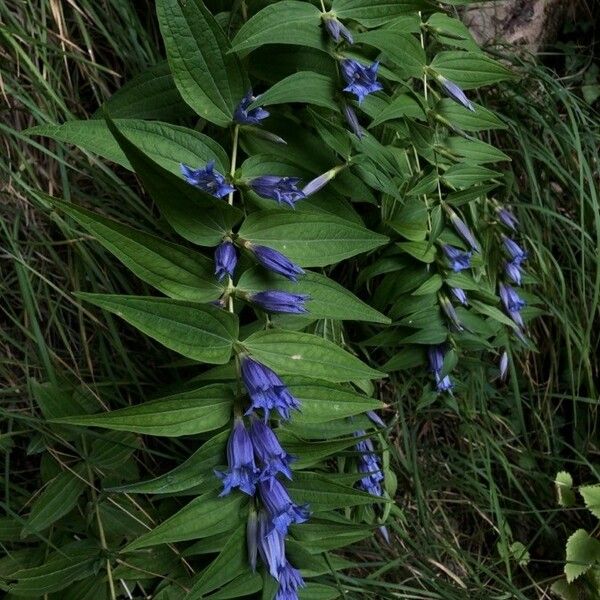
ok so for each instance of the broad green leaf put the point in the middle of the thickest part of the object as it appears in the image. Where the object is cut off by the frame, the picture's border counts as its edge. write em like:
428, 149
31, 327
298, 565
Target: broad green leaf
432, 285
583, 551
451, 31
408, 358
231, 562
321, 537
176, 271
186, 413
467, 175
591, 497
204, 516
373, 13
401, 106
402, 49
564, 489
481, 119
310, 453
493, 312
475, 151
203, 333
470, 69
244, 585
208, 77
294, 353
411, 220
284, 22
150, 95
194, 214
110, 450
195, 471
305, 86
318, 591
328, 299
57, 499
311, 240
422, 251
166, 144
55, 400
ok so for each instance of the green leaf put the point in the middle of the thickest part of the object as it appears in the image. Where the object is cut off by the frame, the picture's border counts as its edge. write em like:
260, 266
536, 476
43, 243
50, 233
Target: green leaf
208, 77
244, 585
150, 95
304, 86
328, 299
582, 552
284, 22
176, 271
451, 31
309, 453
57, 499
204, 333
470, 69
564, 489
373, 13
294, 353
475, 151
481, 119
167, 145
187, 413
110, 450
401, 106
204, 516
591, 497
194, 214
402, 49
467, 175
311, 240
422, 251
231, 562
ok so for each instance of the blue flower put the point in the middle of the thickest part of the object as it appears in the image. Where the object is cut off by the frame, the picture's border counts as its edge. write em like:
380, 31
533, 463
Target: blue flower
512, 302
458, 259
289, 582
455, 92
444, 384
516, 253
271, 545
503, 365
508, 218
436, 363
271, 456
514, 271
283, 511
336, 29
361, 80
450, 311
225, 260
280, 301
266, 389
281, 189
276, 262
249, 117
252, 537
463, 230
352, 120
368, 464
375, 418
460, 295
242, 472
207, 179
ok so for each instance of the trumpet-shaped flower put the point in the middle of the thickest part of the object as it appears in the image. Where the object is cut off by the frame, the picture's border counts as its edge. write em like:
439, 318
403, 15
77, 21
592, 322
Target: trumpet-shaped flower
361, 80
207, 179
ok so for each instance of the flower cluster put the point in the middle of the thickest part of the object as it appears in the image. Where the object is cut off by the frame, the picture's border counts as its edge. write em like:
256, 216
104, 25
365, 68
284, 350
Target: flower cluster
255, 458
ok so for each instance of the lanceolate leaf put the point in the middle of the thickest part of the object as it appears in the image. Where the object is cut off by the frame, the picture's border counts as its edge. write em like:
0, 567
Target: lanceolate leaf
311, 240
204, 333
187, 413
209, 78
175, 270
294, 353
470, 69
372, 13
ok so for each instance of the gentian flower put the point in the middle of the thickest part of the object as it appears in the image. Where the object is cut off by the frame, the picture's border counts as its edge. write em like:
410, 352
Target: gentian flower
457, 259
267, 449
276, 262
289, 582
375, 418
361, 80
436, 363
369, 464
460, 295
249, 117
242, 472
503, 365
252, 537
207, 179
463, 230
450, 311
336, 29
266, 390
513, 271
516, 253
280, 301
225, 260
508, 218
512, 302
271, 545
281, 189
352, 120
444, 384
316, 184
283, 512
455, 92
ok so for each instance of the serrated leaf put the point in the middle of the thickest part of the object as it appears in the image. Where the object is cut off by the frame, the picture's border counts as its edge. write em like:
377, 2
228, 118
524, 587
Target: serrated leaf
470, 69
185, 413
208, 77
582, 552
311, 240
591, 497
564, 489
204, 333
294, 353
328, 299
373, 13
284, 22
176, 271
204, 516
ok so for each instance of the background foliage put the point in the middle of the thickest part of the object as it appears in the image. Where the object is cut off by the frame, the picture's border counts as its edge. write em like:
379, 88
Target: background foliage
477, 512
